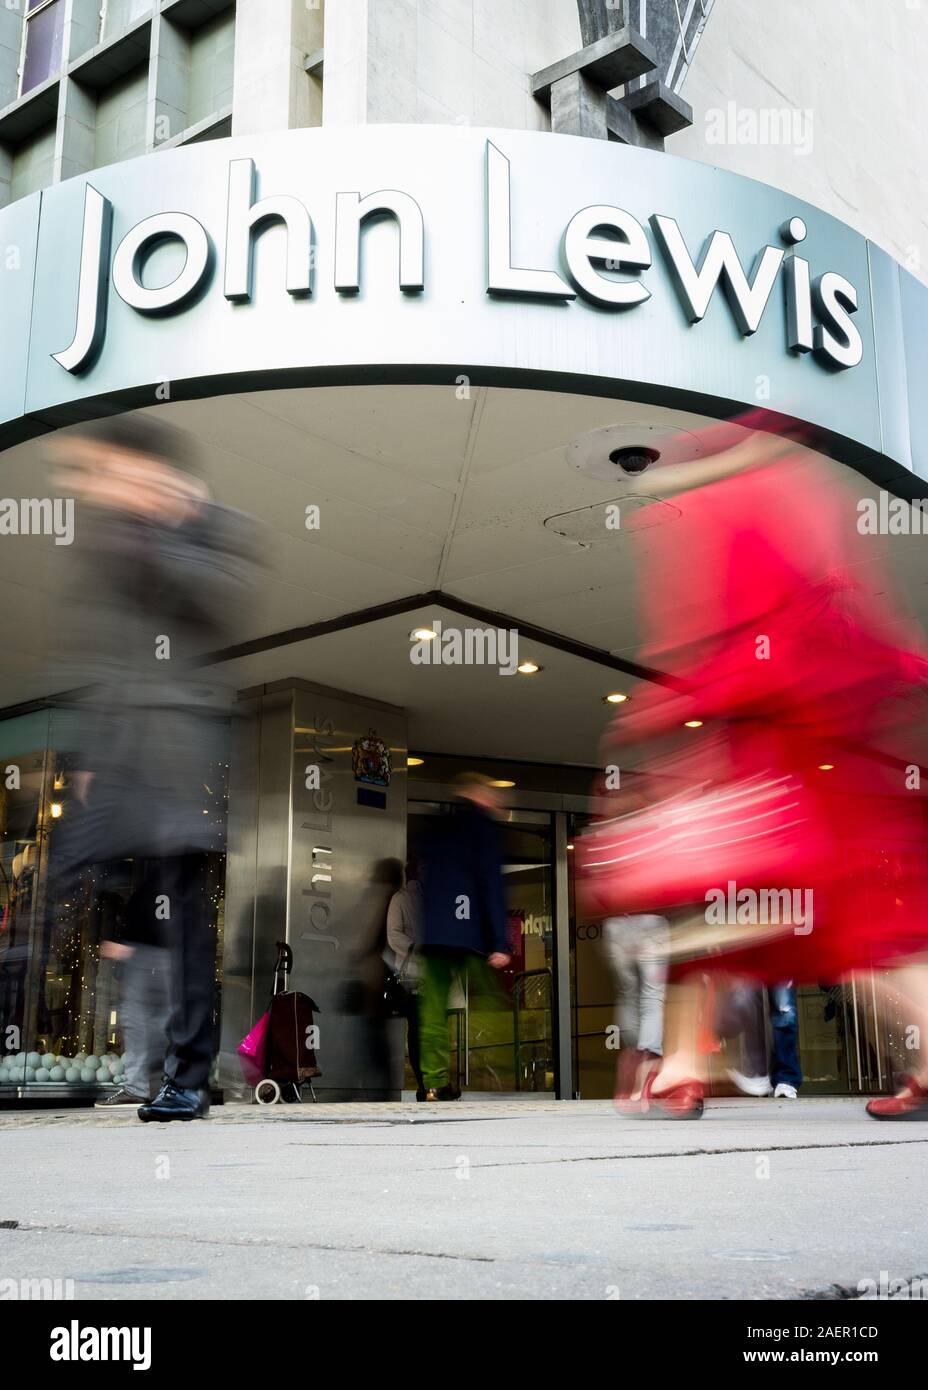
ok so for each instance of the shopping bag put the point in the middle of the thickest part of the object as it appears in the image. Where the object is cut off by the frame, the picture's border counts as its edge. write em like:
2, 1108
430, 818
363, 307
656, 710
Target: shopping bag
252, 1049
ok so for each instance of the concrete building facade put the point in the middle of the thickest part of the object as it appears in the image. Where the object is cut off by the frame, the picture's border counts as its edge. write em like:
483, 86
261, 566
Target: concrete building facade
422, 334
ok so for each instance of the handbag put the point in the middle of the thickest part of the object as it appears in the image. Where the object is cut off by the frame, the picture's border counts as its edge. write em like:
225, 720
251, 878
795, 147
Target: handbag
396, 990
766, 828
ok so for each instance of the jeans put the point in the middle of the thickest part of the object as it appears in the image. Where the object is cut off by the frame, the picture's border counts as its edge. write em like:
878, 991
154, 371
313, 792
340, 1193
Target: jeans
637, 947
143, 1014
741, 1013
784, 1022
182, 879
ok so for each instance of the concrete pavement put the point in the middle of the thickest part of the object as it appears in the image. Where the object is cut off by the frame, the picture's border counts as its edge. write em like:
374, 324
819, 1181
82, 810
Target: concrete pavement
530, 1199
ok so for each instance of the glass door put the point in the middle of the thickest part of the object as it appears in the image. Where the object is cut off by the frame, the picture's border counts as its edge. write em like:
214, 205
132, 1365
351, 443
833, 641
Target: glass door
502, 1022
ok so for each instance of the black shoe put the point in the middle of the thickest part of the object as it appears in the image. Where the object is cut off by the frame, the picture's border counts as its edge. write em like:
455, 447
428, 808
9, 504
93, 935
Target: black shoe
443, 1093
174, 1103
119, 1097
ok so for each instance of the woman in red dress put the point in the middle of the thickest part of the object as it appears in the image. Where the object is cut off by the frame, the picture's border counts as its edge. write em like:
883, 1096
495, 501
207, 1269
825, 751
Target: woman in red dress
764, 753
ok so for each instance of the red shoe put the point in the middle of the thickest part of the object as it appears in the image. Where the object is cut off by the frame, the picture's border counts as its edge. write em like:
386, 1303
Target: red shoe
911, 1107
629, 1065
685, 1101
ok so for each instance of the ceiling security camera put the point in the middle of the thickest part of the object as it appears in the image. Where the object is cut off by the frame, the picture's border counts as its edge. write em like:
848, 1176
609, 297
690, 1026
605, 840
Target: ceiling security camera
613, 453
634, 458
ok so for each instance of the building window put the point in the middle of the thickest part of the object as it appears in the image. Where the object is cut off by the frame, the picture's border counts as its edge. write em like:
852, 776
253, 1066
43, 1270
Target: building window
42, 42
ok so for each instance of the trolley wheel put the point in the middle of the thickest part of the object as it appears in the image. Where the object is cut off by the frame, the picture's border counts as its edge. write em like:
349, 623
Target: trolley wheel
267, 1092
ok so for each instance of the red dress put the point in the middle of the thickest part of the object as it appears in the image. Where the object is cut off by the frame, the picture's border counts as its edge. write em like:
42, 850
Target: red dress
754, 602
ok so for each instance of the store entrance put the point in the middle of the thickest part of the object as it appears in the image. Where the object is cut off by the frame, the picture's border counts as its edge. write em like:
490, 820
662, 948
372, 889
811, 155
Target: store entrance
502, 1030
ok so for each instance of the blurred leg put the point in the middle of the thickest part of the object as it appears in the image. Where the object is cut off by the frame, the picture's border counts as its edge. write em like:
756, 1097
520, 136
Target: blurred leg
740, 1013
144, 1015
785, 1066
653, 940
412, 1039
434, 1047
193, 959
682, 1059
906, 993
620, 939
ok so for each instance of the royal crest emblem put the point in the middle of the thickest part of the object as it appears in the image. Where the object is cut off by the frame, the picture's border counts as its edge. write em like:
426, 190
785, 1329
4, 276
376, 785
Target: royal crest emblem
370, 760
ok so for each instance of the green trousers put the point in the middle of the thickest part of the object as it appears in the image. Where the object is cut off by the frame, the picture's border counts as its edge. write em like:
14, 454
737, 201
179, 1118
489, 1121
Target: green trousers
441, 966
439, 969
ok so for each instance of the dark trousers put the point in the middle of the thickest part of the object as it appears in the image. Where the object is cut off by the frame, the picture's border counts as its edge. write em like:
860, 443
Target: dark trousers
182, 881
741, 1012
784, 1023
412, 1037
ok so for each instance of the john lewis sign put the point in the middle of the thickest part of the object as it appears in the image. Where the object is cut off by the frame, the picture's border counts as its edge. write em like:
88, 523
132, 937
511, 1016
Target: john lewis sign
604, 249
424, 253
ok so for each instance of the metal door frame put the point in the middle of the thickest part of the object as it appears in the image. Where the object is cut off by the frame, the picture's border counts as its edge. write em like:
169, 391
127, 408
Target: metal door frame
558, 807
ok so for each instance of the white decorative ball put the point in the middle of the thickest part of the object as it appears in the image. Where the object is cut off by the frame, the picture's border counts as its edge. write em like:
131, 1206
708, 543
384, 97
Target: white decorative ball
73, 1074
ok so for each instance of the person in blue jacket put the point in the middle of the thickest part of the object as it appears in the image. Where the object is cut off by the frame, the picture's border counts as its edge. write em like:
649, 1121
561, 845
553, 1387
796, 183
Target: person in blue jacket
463, 917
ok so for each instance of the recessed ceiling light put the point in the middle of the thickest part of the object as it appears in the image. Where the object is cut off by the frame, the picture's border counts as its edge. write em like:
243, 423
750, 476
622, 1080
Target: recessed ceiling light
528, 668
616, 698
570, 846
501, 782
826, 767
692, 723
422, 634
414, 762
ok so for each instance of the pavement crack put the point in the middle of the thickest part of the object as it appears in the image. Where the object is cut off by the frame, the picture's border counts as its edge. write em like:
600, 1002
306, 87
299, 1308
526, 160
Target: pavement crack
625, 1157
273, 1242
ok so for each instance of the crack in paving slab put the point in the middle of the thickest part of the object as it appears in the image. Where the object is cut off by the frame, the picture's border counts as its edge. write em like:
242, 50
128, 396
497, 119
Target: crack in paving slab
641, 1155
266, 1242
831, 1292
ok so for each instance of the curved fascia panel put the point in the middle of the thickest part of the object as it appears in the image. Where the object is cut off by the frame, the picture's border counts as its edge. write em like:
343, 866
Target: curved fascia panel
429, 253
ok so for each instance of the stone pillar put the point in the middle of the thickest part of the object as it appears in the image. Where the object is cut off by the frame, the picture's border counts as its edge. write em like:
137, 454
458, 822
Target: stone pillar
578, 107
272, 89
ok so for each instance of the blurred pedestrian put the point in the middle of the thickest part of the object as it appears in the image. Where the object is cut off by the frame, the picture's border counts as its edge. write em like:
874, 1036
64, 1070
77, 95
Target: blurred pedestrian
464, 921
404, 931
785, 1067
144, 965
740, 1013
637, 945
742, 1010
159, 574
774, 644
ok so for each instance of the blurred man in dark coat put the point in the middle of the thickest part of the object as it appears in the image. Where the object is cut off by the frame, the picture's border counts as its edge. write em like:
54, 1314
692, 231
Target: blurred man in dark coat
463, 917
159, 575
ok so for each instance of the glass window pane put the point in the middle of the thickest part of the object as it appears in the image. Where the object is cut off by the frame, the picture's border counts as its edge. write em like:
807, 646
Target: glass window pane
22, 747
43, 45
